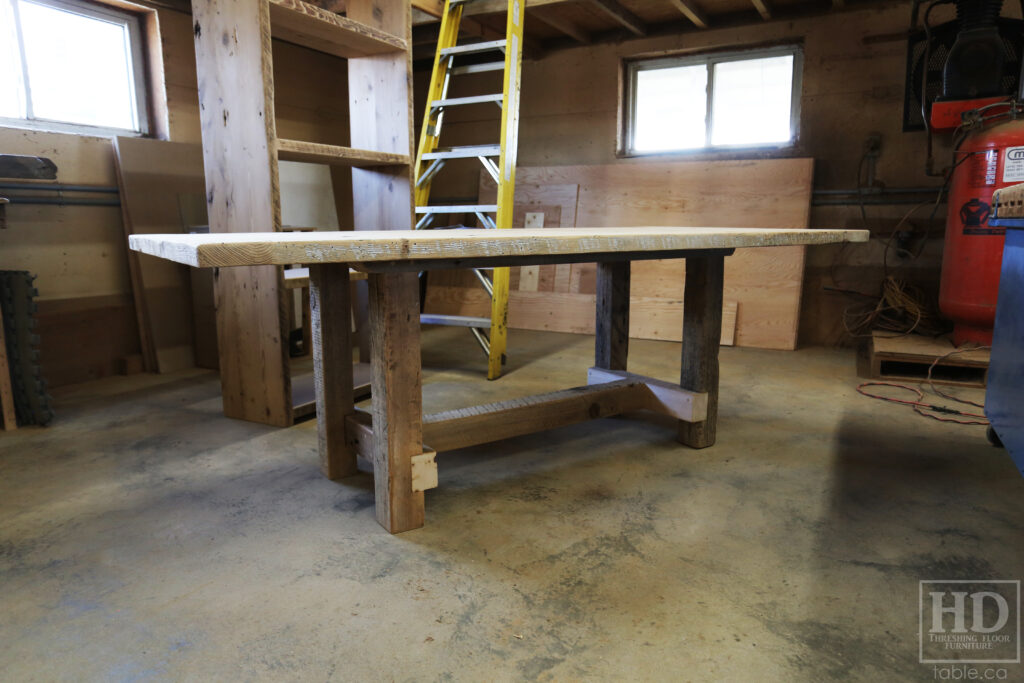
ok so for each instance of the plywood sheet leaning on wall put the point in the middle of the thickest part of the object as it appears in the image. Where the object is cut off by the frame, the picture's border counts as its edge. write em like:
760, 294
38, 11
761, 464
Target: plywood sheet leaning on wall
161, 183
764, 284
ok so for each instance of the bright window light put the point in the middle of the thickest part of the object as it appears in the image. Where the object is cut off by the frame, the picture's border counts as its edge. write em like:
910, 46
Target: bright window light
70, 63
760, 86
670, 108
712, 101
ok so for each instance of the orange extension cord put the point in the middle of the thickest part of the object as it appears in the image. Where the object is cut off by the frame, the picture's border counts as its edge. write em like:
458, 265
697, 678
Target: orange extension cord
931, 410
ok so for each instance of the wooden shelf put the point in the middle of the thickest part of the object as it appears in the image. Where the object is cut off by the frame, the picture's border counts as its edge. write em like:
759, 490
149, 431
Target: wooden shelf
333, 155
304, 24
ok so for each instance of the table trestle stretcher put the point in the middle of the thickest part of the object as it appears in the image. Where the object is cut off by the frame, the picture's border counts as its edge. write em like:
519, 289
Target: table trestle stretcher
396, 438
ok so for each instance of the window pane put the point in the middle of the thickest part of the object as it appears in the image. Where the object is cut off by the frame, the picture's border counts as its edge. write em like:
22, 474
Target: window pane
12, 94
671, 108
752, 101
79, 68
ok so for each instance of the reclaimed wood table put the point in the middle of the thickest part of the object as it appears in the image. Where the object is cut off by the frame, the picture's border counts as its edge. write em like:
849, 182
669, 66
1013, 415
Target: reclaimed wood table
396, 438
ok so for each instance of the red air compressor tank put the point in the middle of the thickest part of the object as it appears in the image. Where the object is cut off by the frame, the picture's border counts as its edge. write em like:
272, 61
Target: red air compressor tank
989, 158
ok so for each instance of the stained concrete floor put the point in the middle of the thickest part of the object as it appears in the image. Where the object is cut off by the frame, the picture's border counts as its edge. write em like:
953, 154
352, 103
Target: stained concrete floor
144, 536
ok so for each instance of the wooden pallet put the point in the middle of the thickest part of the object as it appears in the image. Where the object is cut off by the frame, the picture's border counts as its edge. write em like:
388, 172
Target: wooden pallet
907, 359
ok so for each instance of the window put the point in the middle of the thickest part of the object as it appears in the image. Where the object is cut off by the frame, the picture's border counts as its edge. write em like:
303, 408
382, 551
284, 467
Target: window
725, 100
71, 65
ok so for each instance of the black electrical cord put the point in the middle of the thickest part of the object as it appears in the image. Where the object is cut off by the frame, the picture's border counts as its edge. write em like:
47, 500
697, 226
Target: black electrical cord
929, 164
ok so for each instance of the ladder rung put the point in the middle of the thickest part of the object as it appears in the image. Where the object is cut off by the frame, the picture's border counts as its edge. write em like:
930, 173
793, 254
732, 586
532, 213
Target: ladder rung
455, 320
458, 208
478, 68
474, 47
475, 99
468, 152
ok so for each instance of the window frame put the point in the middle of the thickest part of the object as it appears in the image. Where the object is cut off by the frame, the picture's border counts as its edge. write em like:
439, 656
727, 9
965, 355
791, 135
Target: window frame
632, 66
133, 22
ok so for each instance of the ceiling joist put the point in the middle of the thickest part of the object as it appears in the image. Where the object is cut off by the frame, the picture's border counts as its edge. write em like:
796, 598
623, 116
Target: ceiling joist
567, 27
622, 15
762, 9
691, 12
434, 8
496, 6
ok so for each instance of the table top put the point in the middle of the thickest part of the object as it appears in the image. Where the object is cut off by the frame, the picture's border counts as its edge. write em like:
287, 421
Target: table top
367, 246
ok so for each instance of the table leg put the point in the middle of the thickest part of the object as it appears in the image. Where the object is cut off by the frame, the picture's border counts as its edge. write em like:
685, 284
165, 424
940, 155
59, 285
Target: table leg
611, 346
361, 306
330, 322
307, 323
702, 332
397, 398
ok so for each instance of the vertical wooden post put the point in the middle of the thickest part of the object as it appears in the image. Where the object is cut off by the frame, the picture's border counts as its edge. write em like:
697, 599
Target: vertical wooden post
380, 113
8, 416
361, 306
380, 119
397, 398
611, 343
236, 111
307, 322
331, 320
702, 333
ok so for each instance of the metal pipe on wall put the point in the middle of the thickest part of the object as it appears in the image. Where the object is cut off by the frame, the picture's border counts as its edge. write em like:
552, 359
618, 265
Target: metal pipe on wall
872, 201
60, 201
874, 192
39, 187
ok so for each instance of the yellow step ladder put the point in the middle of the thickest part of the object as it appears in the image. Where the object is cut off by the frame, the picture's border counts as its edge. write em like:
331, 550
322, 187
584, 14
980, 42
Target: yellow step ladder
491, 332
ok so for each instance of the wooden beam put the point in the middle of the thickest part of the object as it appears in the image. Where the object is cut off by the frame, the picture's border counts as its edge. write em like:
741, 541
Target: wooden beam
432, 7
662, 397
623, 15
336, 6
8, 417
513, 261
608, 393
611, 339
380, 119
397, 411
184, 6
763, 9
454, 429
501, 6
331, 321
236, 97
691, 12
567, 27
702, 335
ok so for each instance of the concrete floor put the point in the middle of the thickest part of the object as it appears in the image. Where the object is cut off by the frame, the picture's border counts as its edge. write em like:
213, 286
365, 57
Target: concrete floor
145, 536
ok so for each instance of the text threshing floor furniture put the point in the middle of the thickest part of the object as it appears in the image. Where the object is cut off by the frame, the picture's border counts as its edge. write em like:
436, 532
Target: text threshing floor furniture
397, 439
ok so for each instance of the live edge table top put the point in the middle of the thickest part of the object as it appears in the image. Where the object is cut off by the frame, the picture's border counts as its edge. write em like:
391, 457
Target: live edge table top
370, 249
